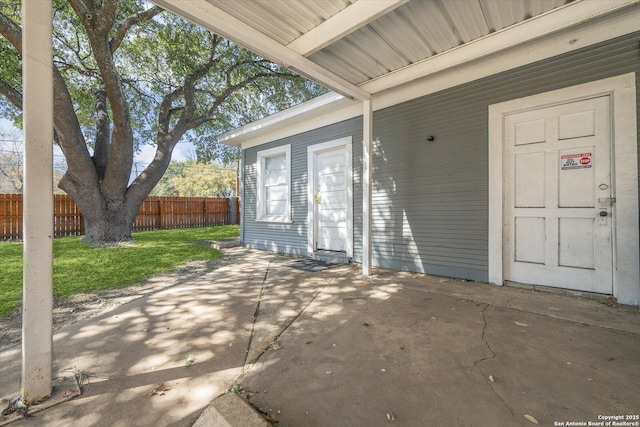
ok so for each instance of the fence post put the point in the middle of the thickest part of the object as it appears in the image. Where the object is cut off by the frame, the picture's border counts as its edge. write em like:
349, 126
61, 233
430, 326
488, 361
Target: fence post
233, 210
160, 213
205, 221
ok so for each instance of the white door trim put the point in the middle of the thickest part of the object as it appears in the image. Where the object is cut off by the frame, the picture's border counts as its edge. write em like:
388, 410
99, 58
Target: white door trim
626, 251
312, 151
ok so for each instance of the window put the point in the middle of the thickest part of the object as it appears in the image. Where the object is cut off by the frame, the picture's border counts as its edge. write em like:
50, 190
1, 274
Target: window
274, 185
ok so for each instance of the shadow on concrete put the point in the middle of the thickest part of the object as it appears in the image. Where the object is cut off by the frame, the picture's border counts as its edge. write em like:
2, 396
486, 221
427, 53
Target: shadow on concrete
328, 347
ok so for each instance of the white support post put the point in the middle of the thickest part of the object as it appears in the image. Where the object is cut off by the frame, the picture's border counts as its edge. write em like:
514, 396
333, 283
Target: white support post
367, 143
37, 300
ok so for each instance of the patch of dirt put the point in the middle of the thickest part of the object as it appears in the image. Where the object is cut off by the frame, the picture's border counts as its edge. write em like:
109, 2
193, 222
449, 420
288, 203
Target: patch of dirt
71, 310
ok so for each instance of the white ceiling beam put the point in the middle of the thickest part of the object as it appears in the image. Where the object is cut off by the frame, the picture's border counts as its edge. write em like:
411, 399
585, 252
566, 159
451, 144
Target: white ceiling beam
553, 21
229, 27
343, 23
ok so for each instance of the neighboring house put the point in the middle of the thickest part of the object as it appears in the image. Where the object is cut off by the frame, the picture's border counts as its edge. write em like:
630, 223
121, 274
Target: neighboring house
500, 138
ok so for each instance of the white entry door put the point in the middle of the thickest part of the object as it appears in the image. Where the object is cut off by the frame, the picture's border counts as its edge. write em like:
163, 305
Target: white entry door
331, 200
558, 196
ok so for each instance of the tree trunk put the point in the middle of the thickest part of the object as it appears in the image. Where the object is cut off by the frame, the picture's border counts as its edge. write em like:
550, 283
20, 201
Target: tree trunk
108, 221
107, 229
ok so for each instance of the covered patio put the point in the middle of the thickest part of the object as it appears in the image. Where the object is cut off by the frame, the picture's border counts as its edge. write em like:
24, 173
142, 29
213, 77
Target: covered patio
320, 345
361, 51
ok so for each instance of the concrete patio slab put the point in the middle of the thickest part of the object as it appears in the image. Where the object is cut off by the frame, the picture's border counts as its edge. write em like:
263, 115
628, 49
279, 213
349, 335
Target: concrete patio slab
319, 345
423, 350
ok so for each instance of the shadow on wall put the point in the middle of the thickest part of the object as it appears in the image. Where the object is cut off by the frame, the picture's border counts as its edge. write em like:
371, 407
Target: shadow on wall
429, 200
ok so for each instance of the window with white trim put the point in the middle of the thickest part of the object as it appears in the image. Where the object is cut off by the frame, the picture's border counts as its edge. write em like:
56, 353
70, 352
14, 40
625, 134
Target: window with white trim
274, 184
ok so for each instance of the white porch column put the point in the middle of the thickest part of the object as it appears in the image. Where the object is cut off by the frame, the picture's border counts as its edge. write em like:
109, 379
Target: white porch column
367, 142
37, 293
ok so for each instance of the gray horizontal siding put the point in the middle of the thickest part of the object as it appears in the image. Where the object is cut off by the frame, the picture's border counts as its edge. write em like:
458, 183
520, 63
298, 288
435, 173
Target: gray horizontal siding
430, 199
288, 238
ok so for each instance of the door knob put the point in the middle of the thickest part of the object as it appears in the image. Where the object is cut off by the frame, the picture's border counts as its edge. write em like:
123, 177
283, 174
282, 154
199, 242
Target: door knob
603, 213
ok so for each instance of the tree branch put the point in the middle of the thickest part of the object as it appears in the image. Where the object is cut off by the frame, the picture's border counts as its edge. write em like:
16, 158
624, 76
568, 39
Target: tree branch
68, 133
103, 128
11, 31
188, 91
87, 72
86, 12
11, 94
165, 111
76, 49
107, 15
121, 31
98, 24
221, 97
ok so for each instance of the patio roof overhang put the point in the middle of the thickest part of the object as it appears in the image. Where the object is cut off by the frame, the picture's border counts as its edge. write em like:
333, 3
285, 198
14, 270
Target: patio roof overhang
361, 48
358, 48
446, 70
364, 49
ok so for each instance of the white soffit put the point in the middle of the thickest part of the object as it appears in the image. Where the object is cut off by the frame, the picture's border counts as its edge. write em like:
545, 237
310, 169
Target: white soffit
320, 105
550, 22
362, 47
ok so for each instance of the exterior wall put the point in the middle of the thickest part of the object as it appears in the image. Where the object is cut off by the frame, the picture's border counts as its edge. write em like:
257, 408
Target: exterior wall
430, 199
291, 238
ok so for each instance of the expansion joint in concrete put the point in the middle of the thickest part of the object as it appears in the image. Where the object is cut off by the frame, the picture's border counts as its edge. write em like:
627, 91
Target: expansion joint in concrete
284, 328
256, 313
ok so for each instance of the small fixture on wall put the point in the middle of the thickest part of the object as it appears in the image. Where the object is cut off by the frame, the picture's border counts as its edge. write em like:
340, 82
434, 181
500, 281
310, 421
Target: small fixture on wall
431, 138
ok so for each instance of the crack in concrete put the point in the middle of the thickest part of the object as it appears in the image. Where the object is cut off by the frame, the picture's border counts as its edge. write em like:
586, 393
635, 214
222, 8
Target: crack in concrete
492, 356
506, 305
484, 331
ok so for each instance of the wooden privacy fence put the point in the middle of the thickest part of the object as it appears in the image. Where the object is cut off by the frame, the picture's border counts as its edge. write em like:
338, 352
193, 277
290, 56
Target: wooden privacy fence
155, 213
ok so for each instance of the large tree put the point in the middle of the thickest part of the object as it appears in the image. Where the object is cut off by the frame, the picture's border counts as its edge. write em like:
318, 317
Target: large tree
127, 74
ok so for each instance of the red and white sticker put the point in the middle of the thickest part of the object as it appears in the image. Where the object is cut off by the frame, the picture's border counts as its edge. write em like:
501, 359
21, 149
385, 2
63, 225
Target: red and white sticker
575, 161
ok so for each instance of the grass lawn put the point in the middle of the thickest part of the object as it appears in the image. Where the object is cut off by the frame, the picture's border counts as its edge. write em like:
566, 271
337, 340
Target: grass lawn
78, 267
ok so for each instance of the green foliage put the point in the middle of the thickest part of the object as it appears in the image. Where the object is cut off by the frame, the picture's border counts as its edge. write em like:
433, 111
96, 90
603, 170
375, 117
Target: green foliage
79, 268
196, 179
10, 65
155, 58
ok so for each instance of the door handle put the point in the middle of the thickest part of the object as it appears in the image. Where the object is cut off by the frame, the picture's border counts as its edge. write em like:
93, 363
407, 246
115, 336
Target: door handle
317, 198
604, 213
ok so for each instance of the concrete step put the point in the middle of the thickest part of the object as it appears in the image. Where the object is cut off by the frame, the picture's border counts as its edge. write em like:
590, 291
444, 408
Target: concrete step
230, 410
332, 257
220, 244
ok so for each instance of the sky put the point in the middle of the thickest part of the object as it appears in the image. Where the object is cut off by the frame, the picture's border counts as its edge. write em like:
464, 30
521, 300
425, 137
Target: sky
182, 151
